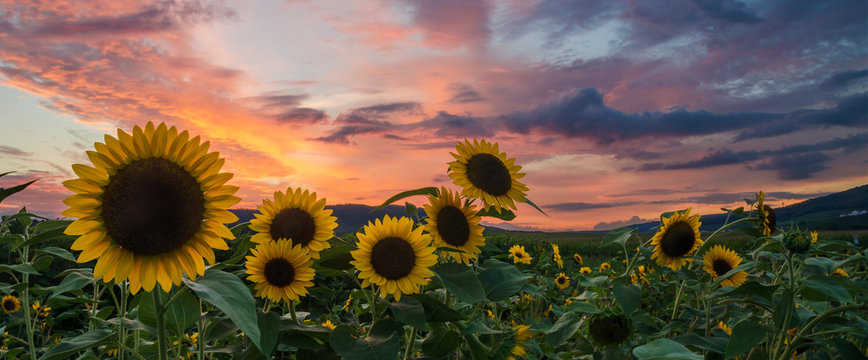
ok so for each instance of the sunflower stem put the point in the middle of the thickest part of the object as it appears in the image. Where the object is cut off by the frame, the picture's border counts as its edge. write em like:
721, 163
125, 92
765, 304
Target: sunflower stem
292, 314
797, 338
373, 304
411, 341
27, 306
202, 328
93, 305
677, 299
161, 326
123, 314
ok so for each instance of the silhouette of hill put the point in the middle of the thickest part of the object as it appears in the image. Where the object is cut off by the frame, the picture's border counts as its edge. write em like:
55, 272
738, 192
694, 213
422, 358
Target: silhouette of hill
351, 217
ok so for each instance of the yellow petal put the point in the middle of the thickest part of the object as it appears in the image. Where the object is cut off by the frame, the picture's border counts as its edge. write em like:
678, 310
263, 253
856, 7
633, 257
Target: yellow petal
82, 187
88, 173
93, 252
81, 227
148, 273
88, 240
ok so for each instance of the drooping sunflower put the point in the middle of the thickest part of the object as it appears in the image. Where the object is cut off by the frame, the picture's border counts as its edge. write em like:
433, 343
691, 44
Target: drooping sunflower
518, 349
578, 259
562, 281
678, 237
585, 270
840, 271
328, 324
766, 215
518, 255
487, 174
281, 270
454, 225
152, 208
556, 256
724, 327
609, 328
10, 304
394, 256
295, 215
719, 260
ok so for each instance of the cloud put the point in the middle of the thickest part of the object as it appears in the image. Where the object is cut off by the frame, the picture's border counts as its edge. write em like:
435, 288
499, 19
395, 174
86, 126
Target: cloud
301, 116
367, 120
384, 110
452, 23
456, 126
729, 10
582, 206
462, 94
850, 112
11, 151
844, 78
602, 225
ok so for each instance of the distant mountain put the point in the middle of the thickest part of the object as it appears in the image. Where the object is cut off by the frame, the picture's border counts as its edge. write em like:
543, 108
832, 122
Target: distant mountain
846, 210
351, 217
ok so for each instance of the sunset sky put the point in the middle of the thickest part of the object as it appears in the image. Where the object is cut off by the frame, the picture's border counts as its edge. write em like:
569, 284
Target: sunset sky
617, 110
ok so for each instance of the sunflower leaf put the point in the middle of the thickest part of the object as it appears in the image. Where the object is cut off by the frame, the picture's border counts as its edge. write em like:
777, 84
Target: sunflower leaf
88, 340
421, 191
664, 349
4, 193
461, 281
504, 214
534, 206
743, 267
563, 329
501, 280
627, 296
382, 342
618, 236
745, 335
228, 293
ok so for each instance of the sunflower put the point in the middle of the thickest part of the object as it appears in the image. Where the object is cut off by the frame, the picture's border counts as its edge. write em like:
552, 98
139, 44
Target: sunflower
281, 270
840, 271
578, 259
394, 256
10, 304
518, 255
720, 260
454, 225
678, 237
297, 216
520, 339
605, 267
328, 324
608, 329
585, 270
726, 329
562, 281
766, 215
151, 208
487, 174
556, 256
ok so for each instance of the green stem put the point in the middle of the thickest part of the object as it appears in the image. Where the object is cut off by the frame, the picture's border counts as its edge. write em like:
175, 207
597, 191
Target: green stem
677, 299
131, 351
292, 311
122, 334
27, 306
374, 296
813, 322
411, 341
94, 304
161, 326
203, 327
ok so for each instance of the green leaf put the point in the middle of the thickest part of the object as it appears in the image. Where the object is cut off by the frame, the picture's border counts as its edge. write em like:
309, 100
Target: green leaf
829, 287
411, 210
748, 266
618, 236
501, 280
337, 258
436, 311
745, 335
440, 342
409, 311
183, 312
56, 251
381, 343
84, 341
461, 281
534, 206
4, 193
627, 296
582, 307
19, 268
75, 280
478, 351
715, 344
146, 313
504, 214
785, 303
563, 329
269, 327
421, 191
48, 235
662, 349
479, 328
229, 294
750, 288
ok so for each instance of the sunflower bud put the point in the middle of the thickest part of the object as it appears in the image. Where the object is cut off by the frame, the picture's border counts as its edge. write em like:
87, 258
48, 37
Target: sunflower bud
796, 242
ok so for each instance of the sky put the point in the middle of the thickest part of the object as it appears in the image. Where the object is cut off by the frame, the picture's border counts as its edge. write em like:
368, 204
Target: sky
617, 110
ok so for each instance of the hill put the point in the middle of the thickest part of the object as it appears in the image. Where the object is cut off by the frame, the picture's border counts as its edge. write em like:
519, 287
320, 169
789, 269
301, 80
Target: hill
351, 217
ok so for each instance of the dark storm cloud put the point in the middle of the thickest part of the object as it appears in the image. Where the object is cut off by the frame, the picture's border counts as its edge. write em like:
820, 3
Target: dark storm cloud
367, 120
464, 94
456, 126
851, 112
730, 10
301, 116
844, 78
582, 206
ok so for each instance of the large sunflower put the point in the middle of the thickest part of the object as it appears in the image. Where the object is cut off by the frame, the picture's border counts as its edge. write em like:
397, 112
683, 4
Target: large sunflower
766, 215
719, 260
487, 174
296, 216
10, 304
151, 208
678, 237
281, 270
394, 256
454, 225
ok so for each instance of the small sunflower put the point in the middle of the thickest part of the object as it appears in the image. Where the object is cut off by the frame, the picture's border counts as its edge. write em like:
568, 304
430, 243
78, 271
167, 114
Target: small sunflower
518, 255
297, 216
605, 267
562, 281
152, 208
454, 225
520, 339
726, 329
840, 271
719, 260
678, 237
328, 324
814, 237
487, 174
578, 259
585, 270
556, 256
394, 256
281, 270
10, 304
766, 215
634, 279
347, 304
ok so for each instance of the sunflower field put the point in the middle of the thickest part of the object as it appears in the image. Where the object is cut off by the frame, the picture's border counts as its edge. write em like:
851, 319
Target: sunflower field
135, 275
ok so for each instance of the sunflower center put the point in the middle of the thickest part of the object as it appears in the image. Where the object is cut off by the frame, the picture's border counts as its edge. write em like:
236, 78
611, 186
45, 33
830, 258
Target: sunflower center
720, 267
678, 239
279, 272
295, 224
453, 226
393, 258
612, 329
488, 173
562, 280
8, 305
152, 206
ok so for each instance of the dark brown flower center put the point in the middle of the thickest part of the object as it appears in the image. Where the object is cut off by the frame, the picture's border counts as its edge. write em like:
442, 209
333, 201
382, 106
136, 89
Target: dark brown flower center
720, 267
561, 280
279, 272
152, 206
8, 305
295, 224
612, 329
393, 258
452, 226
488, 173
769, 219
678, 239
